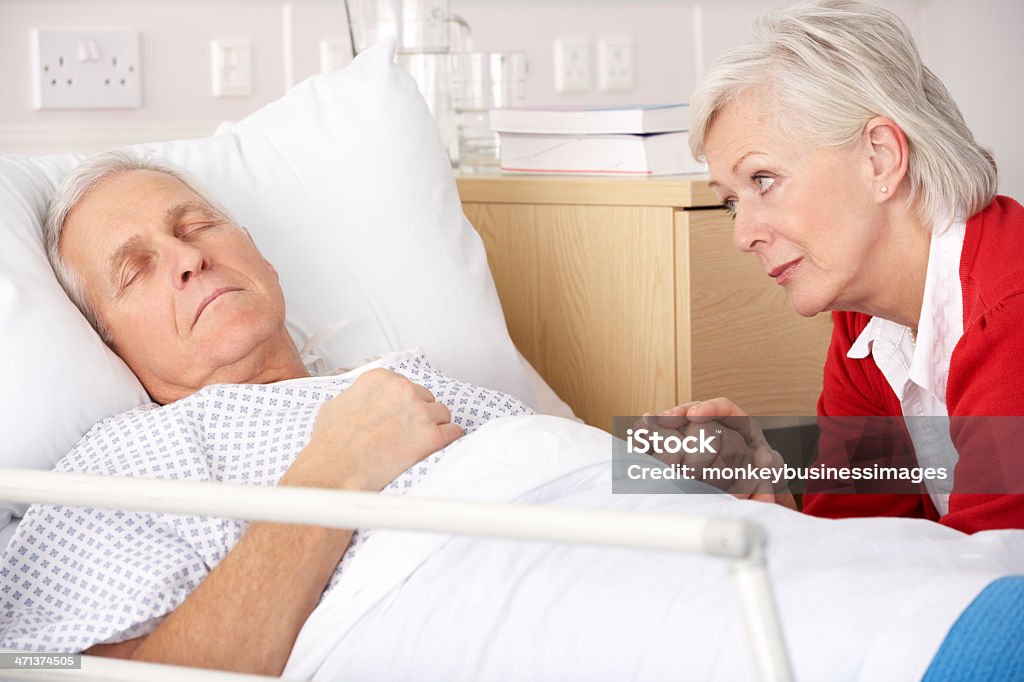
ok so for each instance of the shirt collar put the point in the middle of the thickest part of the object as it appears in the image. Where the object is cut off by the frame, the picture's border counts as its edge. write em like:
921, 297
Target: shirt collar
890, 346
861, 347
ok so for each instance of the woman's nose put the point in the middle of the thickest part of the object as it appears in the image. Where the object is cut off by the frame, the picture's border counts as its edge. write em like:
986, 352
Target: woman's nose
749, 231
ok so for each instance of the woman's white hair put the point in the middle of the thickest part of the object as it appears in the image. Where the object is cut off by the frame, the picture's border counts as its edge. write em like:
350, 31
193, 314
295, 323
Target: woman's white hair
72, 189
829, 66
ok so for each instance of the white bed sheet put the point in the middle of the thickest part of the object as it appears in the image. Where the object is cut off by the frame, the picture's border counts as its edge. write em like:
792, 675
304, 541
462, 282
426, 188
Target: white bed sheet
860, 599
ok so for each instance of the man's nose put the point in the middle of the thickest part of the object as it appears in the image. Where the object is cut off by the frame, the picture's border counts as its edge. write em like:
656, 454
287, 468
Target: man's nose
186, 262
749, 230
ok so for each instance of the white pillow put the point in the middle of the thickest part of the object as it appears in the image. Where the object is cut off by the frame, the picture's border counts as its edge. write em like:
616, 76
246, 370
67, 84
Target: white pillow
58, 377
347, 190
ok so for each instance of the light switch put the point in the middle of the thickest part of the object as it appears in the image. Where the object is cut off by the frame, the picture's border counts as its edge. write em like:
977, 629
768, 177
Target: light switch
334, 54
232, 67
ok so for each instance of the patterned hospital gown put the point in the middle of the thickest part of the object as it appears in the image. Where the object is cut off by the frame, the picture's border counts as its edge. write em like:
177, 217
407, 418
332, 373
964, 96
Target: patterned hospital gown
72, 577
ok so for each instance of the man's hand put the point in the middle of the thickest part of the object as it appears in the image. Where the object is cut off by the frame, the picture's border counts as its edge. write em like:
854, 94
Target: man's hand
741, 441
372, 432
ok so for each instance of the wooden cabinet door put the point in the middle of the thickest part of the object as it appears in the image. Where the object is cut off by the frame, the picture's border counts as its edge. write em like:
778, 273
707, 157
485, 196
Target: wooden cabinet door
589, 299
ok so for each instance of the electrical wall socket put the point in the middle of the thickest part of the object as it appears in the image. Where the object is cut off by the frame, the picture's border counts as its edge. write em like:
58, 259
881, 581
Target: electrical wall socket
572, 65
615, 64
86, 69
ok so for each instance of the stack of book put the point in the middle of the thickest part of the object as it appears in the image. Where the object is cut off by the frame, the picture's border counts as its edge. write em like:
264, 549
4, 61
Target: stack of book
637, 140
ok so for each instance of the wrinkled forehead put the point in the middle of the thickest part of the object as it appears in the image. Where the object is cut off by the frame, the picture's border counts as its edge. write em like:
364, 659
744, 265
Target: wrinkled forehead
122, 206
752, 125
135, 199
737, 130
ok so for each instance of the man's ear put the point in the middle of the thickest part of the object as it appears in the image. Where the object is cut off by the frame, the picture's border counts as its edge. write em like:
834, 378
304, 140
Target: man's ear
889, 155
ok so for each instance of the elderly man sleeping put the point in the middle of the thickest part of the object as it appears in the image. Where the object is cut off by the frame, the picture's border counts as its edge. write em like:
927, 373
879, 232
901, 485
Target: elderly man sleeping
184, 296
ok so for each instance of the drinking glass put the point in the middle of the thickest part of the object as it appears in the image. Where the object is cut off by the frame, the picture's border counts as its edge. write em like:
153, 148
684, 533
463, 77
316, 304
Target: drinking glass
418, 25
482, 81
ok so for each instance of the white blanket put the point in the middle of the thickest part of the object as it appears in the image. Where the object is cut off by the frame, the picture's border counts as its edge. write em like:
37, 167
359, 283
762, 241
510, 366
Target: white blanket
862, 599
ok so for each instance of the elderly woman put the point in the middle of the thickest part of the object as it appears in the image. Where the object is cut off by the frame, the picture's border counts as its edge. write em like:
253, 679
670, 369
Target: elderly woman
855, 183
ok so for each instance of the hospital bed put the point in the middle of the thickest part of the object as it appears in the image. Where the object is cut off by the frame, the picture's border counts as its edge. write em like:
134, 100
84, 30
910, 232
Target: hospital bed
365, 130
982, 644
741, 543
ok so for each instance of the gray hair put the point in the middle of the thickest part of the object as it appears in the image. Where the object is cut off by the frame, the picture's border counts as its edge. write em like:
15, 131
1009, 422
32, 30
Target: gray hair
830, 66
72, 189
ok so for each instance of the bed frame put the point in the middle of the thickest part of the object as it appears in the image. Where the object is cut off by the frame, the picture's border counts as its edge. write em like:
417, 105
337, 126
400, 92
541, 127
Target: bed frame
740, 542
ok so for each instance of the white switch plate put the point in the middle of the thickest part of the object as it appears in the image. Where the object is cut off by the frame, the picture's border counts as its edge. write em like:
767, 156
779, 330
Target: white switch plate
232, 67
572, 65
334, 54
86, 69
615, 64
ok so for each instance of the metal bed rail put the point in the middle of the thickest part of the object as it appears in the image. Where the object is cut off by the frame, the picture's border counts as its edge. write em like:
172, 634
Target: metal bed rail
740, 542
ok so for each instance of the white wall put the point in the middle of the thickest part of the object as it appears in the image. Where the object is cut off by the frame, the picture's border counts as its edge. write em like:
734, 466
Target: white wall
662, 34
977, 50
973, 46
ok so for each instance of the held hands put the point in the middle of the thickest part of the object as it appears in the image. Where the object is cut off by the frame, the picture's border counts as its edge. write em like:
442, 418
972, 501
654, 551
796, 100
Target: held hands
740, 441
372, 432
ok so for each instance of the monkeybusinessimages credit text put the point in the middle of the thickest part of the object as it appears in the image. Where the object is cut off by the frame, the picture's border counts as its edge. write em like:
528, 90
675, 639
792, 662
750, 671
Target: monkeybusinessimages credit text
707, 466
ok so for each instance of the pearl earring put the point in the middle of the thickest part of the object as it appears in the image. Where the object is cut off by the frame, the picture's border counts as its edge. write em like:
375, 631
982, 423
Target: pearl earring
884, 189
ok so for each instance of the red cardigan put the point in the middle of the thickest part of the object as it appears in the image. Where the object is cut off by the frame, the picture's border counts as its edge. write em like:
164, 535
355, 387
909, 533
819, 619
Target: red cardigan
986, 377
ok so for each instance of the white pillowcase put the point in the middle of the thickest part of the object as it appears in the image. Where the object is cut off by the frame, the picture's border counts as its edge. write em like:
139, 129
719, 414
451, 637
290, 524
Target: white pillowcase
347, 190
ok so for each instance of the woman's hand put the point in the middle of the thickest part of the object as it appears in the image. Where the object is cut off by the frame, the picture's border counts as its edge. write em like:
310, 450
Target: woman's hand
739, 440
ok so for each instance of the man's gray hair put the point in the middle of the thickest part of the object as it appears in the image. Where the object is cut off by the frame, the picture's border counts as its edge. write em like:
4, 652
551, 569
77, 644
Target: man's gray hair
72, 189
827, 67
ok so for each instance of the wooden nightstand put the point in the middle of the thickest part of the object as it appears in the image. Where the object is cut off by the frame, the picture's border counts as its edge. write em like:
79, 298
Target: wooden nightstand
627, 296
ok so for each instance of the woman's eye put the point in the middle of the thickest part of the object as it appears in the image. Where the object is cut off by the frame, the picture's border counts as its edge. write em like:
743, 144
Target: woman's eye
764, 182
729, 206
